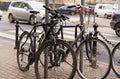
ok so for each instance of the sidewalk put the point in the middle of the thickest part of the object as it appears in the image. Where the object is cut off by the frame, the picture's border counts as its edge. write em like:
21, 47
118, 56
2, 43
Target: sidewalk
9, 68
8, 64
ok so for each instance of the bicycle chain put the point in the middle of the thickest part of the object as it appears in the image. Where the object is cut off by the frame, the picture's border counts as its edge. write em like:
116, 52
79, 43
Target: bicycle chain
106, 40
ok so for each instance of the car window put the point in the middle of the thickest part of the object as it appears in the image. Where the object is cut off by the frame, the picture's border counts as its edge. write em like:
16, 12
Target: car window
24, 5
16, 4
104, 7
109, 7
100, 7
63, 7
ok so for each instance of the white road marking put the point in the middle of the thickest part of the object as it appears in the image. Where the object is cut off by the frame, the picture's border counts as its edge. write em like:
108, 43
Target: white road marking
68, 35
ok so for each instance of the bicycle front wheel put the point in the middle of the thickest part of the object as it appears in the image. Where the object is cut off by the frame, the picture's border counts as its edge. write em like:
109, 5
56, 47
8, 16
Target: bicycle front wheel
116, 59
52, 62
94, 59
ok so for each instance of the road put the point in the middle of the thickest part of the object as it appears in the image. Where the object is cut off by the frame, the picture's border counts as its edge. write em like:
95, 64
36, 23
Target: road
7, 30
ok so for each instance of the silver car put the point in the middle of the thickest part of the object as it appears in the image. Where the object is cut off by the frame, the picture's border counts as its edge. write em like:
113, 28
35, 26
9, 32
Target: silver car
0, 14
20, 10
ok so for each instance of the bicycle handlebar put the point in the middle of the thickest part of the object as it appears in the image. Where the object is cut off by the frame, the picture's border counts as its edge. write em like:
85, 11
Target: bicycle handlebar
56, 13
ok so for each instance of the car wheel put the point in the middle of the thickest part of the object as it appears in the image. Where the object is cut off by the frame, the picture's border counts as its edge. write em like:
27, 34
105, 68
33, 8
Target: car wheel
117, 29
106, 16
96, 14
32, 20
11, 18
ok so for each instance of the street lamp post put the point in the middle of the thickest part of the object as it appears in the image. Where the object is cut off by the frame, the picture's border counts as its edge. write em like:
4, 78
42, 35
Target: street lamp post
46, 11
81, 14
82, 24
89, 2
46, 14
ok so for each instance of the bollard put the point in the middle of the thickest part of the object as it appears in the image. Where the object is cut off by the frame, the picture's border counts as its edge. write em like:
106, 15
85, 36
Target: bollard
62, 36
16, 34
76, 34
94, 54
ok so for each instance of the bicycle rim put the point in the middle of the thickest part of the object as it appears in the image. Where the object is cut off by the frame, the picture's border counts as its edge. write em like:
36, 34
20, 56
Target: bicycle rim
116, 59
23, 51
98, 65
44, 67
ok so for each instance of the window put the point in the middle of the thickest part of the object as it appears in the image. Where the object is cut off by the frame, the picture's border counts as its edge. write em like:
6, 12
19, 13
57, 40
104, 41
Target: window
16, 4
100, 7
24, 5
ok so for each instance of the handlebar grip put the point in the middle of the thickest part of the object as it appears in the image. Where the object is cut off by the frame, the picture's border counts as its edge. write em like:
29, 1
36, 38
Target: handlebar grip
47, 8
54, 12
65, 17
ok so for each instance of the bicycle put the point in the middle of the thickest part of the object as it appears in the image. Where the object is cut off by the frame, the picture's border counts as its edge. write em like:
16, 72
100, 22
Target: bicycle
94, 58
27, 45
91, 50
116, 59
93, 55
50, 53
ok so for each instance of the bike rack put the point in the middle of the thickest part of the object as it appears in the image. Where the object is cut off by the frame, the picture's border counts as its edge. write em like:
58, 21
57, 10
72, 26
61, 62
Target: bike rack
16, 34
69, 26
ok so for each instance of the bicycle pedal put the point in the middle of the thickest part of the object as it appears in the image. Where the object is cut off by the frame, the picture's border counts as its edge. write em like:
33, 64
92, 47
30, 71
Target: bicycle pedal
30, 59
25, 68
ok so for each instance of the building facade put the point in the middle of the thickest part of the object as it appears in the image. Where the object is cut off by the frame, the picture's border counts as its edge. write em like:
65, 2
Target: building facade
5, 3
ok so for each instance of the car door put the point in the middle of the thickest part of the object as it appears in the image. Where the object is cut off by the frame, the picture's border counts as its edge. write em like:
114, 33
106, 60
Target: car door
14, 9
100, 10
103, 11
24, 11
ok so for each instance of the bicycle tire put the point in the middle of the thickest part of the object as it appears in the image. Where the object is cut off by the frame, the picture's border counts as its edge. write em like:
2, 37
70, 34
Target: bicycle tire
116, 59
23, 53
64, 69
100, 64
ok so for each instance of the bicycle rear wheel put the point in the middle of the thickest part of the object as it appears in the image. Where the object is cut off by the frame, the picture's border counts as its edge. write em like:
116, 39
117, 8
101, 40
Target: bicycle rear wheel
24, 51
65, 66
116, 59
98, 65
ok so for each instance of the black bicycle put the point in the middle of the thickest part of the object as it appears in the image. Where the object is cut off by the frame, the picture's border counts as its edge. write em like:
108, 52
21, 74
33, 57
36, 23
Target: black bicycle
93, 54
93, 57
51, 60
27, 46
116, 59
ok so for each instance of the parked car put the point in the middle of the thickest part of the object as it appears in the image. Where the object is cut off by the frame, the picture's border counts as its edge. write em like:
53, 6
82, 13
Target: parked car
67, 9
20, 10
115, 22
0, 14
104, 10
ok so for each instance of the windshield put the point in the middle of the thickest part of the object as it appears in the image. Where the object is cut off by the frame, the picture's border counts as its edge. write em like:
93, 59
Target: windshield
115, 6
109, 7
37, 5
